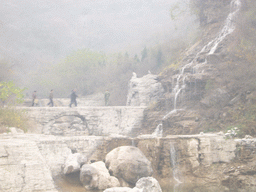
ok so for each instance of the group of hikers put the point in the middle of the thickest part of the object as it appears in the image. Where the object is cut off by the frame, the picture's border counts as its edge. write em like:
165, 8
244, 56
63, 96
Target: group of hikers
73, 97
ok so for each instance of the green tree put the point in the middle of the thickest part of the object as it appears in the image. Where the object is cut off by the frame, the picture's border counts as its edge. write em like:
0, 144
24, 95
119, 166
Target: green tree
126, 55
159, 57
144, 54
136, 58
80, 70
10, 93
177, 10
5, 70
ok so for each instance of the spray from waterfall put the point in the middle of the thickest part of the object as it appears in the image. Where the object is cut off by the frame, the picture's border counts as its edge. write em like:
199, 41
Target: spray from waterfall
179, 80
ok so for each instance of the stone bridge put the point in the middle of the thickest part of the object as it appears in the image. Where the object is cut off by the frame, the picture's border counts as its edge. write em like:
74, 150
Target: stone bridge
88, 120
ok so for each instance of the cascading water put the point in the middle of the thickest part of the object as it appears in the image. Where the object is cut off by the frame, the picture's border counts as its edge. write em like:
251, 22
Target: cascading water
174, 164
210, 48
229, 26
158, 131
133, 144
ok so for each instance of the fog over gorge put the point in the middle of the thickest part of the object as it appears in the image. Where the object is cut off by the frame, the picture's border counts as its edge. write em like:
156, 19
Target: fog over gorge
37, 35
52, 29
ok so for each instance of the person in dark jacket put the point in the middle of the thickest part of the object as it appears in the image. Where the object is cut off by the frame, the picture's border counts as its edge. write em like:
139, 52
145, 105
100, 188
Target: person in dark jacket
51, 99
73, 97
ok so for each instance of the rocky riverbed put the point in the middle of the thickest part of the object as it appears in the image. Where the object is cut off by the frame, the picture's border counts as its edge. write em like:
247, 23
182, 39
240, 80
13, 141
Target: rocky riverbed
31, 162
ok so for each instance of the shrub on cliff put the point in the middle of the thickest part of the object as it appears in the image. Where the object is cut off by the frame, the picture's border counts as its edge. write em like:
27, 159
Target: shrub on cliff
11, 95
10, 117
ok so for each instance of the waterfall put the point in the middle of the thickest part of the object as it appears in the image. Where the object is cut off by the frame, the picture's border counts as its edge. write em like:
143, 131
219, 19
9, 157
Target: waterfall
228, 28
158, 131
133, 144
210, 48
174, 164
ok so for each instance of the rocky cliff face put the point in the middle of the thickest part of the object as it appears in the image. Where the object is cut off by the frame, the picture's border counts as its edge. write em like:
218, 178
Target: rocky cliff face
209, 85
144, 91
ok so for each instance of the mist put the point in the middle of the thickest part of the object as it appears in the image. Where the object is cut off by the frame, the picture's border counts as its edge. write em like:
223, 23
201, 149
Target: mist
37, 34
55, 28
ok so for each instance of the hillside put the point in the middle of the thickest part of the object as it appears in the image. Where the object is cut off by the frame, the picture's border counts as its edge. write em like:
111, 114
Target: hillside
219, 91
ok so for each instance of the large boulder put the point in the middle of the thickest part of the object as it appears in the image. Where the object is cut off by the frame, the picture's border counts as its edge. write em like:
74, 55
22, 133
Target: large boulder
96, 176
74, 163
128, 163
147, 184
118, 189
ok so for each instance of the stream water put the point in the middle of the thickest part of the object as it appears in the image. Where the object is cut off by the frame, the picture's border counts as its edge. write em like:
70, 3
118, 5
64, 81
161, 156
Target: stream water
67, 186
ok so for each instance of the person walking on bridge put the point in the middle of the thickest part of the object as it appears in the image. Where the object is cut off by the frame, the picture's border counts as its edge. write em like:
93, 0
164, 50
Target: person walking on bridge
34, 99
51, 98
107, 95
73, 97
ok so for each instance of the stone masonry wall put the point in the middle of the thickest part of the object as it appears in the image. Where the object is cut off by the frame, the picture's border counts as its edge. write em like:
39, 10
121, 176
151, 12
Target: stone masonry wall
99, 121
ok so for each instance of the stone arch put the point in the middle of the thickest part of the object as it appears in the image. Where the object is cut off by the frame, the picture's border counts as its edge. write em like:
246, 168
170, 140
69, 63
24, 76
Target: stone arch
66, 123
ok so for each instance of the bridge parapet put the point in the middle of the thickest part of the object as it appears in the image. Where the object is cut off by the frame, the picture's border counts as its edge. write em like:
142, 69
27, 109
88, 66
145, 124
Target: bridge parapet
99, 121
